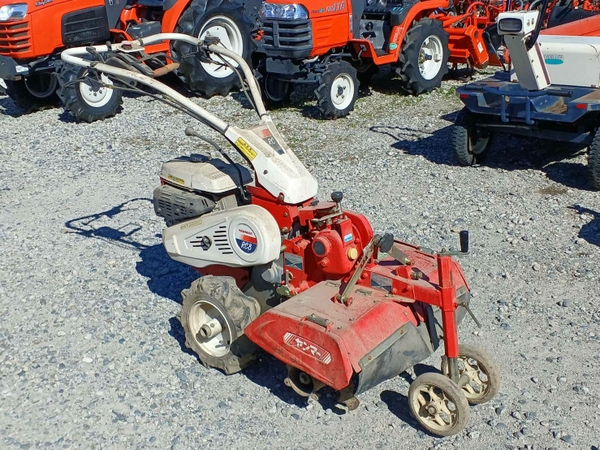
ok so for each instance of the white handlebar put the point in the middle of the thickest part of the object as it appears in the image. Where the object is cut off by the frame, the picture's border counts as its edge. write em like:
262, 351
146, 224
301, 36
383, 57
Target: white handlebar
74, 56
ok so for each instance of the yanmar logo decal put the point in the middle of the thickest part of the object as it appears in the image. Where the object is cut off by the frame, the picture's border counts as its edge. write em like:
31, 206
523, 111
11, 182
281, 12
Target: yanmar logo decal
308, 347
246, 240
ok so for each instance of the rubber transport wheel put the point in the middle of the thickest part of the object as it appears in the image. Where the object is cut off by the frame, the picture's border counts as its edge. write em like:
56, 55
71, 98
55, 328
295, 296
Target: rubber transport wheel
481, 370
338, 90
424, 56
35, 92
594, 161
211, 330
86, 100
470, 145
224, 20
438, 404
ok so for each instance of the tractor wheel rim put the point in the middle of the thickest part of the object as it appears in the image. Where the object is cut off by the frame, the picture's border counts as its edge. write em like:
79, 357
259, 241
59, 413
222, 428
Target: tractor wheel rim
430, 57
231, 38
41, 85
479, 144
435, 408
201, 314
342, 91
478, 383
96, 96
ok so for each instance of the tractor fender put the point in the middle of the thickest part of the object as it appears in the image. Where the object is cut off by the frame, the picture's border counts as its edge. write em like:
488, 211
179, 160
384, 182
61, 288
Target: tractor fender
175, 8
173, 11
416, 12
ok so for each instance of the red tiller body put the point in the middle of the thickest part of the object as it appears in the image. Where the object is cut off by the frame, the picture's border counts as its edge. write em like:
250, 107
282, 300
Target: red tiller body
383, 328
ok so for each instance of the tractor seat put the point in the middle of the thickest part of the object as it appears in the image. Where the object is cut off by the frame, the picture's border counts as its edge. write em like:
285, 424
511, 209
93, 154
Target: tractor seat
383, 8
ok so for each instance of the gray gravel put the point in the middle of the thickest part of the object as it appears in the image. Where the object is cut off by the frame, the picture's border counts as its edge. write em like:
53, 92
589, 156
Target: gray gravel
91, 354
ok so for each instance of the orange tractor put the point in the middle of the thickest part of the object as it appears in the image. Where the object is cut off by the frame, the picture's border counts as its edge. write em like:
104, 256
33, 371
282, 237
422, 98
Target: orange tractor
335, 45
33, 34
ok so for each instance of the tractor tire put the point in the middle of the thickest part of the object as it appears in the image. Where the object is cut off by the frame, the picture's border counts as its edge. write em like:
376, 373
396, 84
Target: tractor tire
594, 161
225, 20
337, 91
87, 101
275, 92
214, 315
35, 92
470, 146
424, 57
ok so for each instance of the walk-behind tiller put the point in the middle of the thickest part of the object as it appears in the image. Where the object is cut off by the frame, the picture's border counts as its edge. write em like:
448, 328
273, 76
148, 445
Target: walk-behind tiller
306, 280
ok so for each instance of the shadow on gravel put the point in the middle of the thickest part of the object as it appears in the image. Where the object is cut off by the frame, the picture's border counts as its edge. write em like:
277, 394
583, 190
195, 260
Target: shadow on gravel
8, 108
398, 403
508, 152
270, 373
165, 277
176, 332
591, 230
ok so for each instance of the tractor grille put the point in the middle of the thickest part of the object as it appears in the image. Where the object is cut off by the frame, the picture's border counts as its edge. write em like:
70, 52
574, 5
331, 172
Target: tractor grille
289, 38
15, 38
85, 27
220, 240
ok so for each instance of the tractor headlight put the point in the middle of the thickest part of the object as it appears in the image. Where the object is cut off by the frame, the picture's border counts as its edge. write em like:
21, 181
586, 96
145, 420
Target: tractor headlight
13, 12
277, 11
510, 25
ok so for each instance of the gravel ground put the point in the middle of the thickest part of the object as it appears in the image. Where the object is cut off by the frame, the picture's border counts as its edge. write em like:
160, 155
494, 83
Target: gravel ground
92, 356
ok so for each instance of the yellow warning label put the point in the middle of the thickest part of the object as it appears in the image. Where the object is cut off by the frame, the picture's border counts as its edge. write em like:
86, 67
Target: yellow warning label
175, 179
191, 223
245, 149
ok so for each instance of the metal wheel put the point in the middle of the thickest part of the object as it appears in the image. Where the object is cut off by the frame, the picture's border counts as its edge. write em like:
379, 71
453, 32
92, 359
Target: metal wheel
210, 328
424, 56
342, 91
479, 373
96, 96
231, 38
214, 315
86, 96
227, 20
438, 404
431, 57
338, 90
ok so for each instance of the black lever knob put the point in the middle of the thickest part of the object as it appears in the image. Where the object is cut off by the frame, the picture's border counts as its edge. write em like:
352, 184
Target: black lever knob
464, 241
337, 196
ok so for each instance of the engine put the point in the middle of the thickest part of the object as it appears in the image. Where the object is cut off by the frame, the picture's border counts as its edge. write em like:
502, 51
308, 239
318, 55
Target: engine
207, 220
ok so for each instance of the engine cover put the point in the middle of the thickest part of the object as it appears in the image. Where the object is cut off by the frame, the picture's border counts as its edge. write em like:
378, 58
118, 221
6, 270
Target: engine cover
212, 175
176, 205
239, 237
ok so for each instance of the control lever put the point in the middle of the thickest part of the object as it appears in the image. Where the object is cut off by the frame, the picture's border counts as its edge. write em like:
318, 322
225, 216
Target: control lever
464, 245
383, 243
